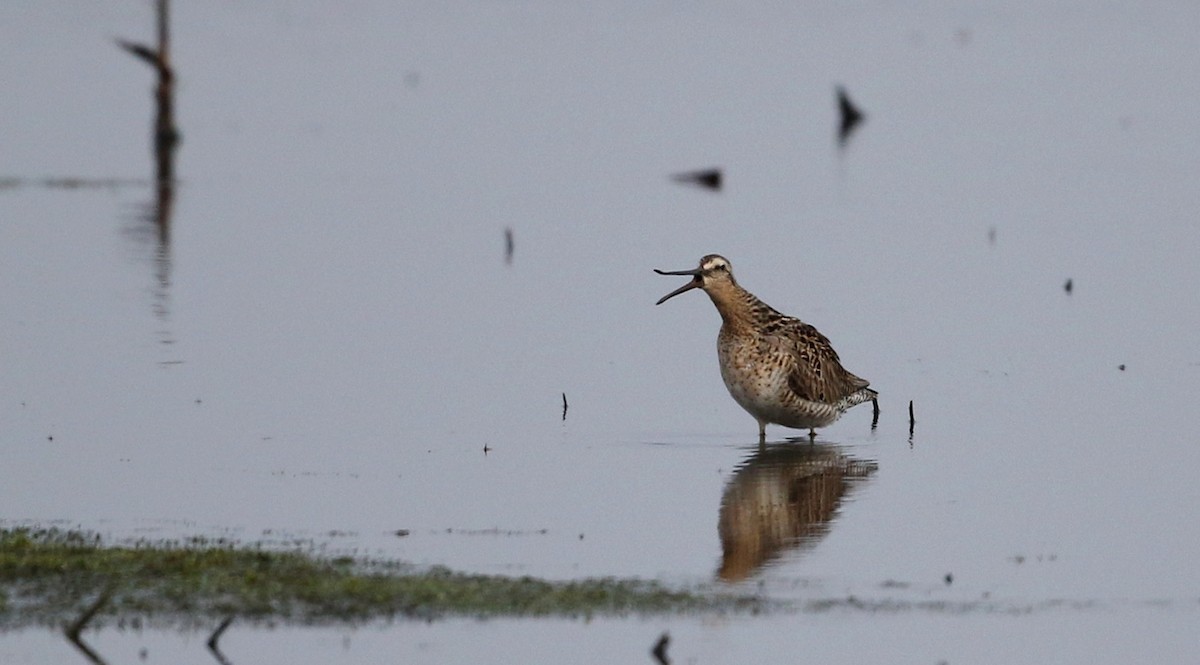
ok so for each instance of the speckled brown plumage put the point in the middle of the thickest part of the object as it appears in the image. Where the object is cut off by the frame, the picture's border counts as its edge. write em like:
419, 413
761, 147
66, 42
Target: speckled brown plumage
778, 368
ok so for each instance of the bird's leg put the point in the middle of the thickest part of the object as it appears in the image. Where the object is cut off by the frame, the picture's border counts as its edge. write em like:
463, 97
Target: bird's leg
812, 435
762, 433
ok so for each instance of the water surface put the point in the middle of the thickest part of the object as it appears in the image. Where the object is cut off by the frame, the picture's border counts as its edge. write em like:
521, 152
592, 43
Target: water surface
330, 335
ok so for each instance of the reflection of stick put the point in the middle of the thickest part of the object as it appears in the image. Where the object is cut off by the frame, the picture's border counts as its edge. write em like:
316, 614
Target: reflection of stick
660, 649
73, 629
215, 637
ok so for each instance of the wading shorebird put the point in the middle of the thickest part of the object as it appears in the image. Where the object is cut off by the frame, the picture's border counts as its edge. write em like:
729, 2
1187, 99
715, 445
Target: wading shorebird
778, 368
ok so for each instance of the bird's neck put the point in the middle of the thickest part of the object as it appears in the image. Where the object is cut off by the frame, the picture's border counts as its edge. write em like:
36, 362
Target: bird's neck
739, 308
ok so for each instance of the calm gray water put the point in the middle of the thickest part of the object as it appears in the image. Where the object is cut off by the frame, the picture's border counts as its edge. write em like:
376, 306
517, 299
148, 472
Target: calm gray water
332, 336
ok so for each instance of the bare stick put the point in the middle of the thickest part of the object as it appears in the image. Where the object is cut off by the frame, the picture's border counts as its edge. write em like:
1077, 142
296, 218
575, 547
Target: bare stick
166, 136
564, 407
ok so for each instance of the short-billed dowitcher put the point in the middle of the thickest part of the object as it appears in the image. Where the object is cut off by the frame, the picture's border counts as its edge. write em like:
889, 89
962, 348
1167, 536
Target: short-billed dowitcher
778, 368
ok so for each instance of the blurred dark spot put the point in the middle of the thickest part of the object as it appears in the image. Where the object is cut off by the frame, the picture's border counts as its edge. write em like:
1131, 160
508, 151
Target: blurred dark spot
707, 178
660, 649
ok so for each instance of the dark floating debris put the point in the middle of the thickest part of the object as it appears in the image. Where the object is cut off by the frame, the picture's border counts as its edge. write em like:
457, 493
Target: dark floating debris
1121, 367
949, 579
707, 178
660, 649
1069, 286
564, 407
400, 533
508, 246
486, 449
850, 116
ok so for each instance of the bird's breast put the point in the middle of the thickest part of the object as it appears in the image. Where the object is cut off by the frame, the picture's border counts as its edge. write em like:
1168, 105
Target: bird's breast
755, 374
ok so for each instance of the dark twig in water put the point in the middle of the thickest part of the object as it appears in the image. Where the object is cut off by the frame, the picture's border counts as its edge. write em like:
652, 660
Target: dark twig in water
508, 246
850, 116
166, 135
215, 638
660, 649
707, 178
564, 407
73, 629
912, 421
1069, 286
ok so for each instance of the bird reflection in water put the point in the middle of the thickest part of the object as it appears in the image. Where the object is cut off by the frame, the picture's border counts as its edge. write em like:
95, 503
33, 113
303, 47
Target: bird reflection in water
784, 496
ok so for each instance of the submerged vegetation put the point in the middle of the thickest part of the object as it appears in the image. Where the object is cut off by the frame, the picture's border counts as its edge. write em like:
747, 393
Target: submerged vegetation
53, 576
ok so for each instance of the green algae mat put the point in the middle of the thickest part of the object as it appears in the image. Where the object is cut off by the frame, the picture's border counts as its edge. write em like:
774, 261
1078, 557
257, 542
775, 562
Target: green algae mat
54, 577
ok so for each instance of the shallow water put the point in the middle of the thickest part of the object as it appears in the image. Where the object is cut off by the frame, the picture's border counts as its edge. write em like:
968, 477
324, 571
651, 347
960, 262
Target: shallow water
331, 335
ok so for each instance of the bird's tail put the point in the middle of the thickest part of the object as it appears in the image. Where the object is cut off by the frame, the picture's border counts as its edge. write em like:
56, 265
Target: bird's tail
858, 397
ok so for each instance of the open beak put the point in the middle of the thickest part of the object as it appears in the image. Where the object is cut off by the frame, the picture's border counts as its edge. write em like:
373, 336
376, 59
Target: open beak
695, 283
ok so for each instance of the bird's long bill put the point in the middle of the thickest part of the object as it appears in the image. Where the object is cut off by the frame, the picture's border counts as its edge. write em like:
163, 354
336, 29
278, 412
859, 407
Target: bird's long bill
695, 283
